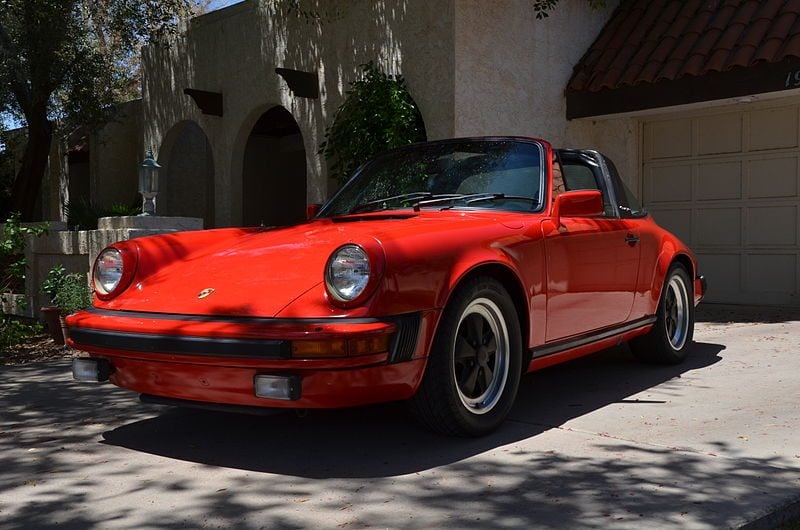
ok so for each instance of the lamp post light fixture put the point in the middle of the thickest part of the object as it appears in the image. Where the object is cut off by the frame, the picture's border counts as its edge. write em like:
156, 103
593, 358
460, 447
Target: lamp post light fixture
148, 183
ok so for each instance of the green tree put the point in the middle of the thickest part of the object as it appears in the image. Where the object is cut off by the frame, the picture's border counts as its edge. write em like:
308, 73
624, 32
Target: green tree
377, 114
69, 61
544, 7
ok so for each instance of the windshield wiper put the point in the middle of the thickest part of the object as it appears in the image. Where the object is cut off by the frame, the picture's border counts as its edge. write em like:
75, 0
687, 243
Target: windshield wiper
502, 196
383, 202
468, 199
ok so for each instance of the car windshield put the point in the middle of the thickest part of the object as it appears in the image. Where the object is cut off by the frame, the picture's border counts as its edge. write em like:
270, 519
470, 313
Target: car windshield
502, 174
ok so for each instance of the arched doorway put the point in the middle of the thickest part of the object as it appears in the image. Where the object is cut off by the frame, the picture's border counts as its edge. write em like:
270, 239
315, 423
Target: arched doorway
187, 183
274, 171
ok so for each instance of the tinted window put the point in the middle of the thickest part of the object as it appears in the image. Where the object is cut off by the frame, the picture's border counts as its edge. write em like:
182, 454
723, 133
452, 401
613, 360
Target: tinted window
579, 177
629, 205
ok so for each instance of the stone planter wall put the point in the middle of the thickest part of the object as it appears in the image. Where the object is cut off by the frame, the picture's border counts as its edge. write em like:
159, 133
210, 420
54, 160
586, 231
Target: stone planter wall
76, 251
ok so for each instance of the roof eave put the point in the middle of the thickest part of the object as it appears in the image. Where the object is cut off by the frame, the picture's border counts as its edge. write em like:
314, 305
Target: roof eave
737, 82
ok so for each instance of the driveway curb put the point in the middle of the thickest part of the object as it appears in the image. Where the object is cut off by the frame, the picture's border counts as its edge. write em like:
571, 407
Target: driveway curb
776, 515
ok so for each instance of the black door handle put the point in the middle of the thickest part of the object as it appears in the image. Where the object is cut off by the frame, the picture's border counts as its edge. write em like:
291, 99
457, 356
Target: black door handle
631, 239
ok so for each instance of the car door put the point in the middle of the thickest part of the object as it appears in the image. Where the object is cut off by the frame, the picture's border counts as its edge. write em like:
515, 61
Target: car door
592, 263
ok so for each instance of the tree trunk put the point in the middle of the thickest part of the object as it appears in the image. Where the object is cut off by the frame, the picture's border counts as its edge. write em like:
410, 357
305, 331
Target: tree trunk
28, 182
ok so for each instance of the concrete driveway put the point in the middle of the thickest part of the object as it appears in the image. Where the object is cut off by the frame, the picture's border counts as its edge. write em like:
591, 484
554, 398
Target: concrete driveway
601, 442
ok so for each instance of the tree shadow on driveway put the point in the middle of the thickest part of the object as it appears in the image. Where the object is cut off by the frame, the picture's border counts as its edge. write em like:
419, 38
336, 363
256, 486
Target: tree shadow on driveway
381, 441
745, 314
373, 467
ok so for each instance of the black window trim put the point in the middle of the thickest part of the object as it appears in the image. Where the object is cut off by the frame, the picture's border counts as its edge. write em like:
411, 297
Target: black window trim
607, 182
617, 184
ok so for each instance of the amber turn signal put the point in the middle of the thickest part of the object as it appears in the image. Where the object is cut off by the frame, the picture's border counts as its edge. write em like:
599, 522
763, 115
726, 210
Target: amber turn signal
340, 347
367, 345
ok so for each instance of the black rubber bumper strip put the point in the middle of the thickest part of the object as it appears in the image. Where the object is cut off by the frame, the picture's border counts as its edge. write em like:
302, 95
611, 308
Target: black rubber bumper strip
219, 407
185, 345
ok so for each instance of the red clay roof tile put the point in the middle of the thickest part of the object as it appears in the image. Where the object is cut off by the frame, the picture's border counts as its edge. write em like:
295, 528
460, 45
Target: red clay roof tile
651, 41
768, 51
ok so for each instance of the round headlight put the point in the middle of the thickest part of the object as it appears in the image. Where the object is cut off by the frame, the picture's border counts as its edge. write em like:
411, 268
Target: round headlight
108, 269
347, 273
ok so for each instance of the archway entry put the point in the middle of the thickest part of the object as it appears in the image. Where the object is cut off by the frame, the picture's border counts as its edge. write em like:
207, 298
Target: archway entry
187, 183
274, 171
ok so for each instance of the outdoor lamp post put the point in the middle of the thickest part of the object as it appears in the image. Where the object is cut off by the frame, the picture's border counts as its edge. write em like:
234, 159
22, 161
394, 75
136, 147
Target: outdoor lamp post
148, 183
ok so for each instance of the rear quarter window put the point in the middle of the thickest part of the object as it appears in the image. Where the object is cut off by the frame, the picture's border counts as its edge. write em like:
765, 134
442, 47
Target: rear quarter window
627, 202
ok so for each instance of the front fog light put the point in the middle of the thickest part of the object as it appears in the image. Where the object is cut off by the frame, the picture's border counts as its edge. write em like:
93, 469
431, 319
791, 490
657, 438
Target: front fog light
91, 370
286, 387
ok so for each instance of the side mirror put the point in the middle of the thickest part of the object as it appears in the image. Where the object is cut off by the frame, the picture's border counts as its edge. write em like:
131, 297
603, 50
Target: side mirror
312, 210
583, 203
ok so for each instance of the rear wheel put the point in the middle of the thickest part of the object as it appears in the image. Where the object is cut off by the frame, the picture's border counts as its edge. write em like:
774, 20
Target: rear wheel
668, 342
474, 365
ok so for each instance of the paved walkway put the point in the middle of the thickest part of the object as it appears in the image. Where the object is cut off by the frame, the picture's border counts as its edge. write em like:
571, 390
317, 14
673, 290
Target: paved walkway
602, 442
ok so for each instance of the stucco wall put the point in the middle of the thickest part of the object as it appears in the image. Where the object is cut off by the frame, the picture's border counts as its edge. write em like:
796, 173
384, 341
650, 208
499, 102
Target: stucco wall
617, 138
511, 70
236, 50
115, 152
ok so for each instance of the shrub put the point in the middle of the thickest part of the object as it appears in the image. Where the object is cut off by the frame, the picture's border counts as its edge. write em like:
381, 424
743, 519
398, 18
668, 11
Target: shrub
69, 292
73, 295
53, 282
377, 114
14, 330
12, 253
83, 214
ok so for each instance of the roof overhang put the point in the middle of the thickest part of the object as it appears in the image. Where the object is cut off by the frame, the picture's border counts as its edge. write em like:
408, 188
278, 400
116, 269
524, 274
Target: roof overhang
663, 53
738, 82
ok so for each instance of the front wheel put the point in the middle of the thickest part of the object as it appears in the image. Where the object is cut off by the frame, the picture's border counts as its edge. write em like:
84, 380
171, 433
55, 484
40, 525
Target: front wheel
474, 365
668, 342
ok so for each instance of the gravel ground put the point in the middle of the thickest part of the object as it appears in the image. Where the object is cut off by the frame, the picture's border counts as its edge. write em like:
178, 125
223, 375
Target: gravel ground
36, 348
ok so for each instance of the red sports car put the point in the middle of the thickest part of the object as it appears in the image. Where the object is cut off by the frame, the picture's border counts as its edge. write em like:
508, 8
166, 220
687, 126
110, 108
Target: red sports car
439, 274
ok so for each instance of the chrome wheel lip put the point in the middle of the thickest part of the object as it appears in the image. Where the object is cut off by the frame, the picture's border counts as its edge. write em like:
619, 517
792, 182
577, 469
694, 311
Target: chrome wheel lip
676, 312
492, 315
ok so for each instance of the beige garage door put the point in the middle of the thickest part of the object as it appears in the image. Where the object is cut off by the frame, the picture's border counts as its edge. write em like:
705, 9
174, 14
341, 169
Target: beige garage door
726, 182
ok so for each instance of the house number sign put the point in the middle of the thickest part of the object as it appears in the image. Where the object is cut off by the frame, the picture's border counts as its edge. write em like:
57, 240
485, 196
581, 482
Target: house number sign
793, 79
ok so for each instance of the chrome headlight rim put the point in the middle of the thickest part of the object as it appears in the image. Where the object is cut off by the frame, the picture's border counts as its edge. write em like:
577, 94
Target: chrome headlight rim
330, 280
374, 253
128, 261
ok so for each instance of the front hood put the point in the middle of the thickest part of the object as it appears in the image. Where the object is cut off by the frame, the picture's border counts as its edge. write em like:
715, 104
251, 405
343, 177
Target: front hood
255, 272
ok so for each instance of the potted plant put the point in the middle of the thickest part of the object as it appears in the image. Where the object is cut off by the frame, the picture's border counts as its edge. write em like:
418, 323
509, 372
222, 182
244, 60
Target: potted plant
68, 293
50, 313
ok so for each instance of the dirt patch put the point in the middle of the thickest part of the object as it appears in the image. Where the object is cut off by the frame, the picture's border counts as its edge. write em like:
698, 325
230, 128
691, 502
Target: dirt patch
34, 349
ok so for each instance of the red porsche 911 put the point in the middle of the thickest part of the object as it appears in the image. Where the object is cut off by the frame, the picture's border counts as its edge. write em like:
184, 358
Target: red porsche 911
439, 274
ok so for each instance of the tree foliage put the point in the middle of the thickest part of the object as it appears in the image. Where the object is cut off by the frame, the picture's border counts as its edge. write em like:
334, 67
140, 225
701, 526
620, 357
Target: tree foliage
69, 61
544, 7
377, 114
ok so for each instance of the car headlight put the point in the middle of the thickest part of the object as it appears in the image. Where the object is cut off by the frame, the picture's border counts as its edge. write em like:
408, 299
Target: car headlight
113, 270
347, 273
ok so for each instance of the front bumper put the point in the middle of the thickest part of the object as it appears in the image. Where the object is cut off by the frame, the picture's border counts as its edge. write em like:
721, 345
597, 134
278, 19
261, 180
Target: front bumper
216, 359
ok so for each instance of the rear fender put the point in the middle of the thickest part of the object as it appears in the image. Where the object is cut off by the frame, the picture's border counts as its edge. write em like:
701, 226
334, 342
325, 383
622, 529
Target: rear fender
670, 253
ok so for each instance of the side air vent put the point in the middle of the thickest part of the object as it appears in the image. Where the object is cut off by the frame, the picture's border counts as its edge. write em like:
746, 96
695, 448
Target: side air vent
405, 340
